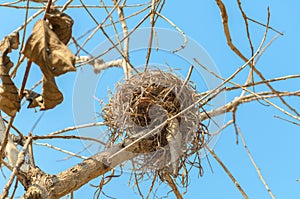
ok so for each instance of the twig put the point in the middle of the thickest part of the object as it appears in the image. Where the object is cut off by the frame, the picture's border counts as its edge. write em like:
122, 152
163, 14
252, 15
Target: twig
265, 26
67, 4
234, 49
278, 117
234, 124
255, 166
152, 22
125, 50
61, 150
222, 128
114, 46
178, 29
15, 188
21, 94
173, 186
16, 168
187, 79
151, 186
5, 139
263, 82
235, 182
40, 137
136, 180
76, 127
262, 96
226, 29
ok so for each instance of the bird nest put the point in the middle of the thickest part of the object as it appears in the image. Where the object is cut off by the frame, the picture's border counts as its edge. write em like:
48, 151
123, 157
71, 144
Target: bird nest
159, 111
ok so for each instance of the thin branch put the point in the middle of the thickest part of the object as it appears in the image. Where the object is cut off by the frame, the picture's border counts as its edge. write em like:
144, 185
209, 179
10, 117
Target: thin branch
235, 182
226, 30
178, 29
292, 122
76, 127
5, 139
235, 49
187, 79
125, 50
19, 163
60, 150
173, 186
263, 82
152, 22
221, 128
255, 95
67, 4
255, 166
41, 137
257, 22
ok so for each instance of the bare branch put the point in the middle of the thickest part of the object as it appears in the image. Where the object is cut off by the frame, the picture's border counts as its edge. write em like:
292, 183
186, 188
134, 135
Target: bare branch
255, 166
235, 182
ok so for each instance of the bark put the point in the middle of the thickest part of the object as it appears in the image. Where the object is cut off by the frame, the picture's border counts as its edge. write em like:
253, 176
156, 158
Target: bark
47, 186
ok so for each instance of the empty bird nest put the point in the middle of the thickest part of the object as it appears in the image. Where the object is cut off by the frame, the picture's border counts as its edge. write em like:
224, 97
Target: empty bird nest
158, 111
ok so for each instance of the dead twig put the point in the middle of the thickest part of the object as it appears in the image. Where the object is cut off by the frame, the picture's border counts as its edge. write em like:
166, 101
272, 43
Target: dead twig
19, 163
235, 182
255, 166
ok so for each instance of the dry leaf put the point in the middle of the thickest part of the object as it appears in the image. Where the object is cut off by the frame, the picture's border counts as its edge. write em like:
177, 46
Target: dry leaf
34, 99
44, 48
51, 94
9, 97
61, 24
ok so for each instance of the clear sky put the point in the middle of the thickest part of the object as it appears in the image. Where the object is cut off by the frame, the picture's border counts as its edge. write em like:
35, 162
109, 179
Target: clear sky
273, 143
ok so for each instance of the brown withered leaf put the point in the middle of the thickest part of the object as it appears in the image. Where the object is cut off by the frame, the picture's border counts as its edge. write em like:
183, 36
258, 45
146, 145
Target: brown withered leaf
34, 98
51, 96
61, 24
9, 97
44, 48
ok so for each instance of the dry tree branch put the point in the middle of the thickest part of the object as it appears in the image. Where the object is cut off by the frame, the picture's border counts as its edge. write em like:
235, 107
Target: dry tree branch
5, 139
78, 175
76, 128
250, 75
246, 26
263, 82
178, 29
74, 6
61, 150
229, 107
278, 117
259, 23
67, 4
125, 50
235, 49
111, 24
46, 137
173, 186
152, 22
227, 31
222, 128
114, 46
19, 163
255, 166
227, 171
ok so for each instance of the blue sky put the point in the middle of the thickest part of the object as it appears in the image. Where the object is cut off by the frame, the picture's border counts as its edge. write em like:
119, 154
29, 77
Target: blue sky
273, 143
